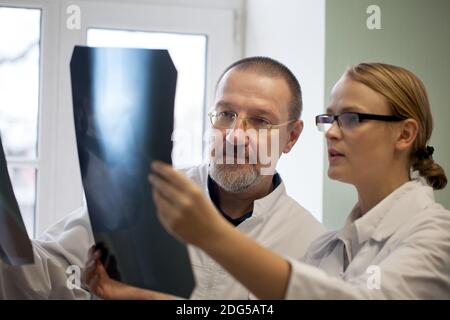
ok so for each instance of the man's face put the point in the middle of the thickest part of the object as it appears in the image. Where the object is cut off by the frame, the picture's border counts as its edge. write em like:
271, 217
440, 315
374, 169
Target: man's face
249, 95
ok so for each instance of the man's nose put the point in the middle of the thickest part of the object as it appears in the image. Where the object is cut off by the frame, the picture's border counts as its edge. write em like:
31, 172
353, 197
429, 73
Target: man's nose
237, 135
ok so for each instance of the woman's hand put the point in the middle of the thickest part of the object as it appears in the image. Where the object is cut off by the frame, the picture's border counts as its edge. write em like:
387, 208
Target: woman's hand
183, 208
189, 215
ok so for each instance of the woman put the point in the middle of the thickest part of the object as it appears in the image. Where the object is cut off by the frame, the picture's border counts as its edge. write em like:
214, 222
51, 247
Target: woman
396, 241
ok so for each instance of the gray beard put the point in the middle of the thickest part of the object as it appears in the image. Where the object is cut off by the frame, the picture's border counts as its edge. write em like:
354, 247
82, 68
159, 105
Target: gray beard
232, 178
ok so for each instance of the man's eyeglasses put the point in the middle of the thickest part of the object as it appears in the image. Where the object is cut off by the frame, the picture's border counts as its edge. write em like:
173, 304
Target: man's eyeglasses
350, 120
227, 120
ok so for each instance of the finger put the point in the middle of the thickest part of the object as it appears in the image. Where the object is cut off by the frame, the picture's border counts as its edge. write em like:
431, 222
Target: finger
89, 271
101, 272
90, 266
103, 251
163, 204
90, 274
91, 251
100, 276
166, 212
93, 283
167, 190
97, 255
175, 178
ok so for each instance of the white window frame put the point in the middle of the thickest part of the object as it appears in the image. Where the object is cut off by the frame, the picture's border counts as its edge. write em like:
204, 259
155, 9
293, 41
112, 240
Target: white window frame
47, 105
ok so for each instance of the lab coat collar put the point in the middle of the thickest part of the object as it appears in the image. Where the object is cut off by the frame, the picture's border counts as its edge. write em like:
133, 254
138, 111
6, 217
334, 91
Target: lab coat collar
262, 207
385, 218
392, 212
415, 197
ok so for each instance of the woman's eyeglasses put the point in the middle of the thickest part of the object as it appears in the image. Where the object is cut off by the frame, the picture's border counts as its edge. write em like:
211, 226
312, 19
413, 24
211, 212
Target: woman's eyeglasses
350, 120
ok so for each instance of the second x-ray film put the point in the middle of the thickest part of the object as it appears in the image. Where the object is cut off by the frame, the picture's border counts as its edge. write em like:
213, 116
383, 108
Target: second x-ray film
15, 246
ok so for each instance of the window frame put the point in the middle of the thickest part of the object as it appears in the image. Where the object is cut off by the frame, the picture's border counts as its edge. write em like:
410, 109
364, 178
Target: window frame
47, 103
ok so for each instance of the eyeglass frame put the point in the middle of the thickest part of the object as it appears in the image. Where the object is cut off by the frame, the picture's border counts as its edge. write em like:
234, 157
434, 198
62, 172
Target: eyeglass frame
361, 117
270, 126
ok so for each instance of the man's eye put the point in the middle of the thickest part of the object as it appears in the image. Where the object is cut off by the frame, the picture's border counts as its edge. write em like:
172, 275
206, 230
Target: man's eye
260, 121
226, 114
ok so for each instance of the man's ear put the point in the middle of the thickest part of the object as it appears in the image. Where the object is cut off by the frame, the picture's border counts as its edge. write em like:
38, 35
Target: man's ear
407, 134
294, 130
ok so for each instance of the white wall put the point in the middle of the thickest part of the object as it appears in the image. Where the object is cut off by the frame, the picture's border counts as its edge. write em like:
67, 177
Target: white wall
293, 32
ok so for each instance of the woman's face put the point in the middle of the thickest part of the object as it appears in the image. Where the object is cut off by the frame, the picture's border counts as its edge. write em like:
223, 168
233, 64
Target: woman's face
365, 152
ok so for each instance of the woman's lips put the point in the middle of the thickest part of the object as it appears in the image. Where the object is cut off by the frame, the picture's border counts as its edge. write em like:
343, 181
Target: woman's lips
334, 155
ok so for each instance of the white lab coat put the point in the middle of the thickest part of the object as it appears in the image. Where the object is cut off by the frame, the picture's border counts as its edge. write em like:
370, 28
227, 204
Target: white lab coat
278, 223
400, 249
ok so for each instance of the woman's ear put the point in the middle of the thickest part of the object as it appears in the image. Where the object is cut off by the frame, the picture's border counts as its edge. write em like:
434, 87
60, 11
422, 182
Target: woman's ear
407, 134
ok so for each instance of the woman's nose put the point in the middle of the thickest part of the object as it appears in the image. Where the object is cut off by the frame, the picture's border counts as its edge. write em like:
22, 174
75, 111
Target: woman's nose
334, 132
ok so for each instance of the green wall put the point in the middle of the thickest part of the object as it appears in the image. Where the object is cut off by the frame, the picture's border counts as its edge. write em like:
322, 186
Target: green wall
415, 34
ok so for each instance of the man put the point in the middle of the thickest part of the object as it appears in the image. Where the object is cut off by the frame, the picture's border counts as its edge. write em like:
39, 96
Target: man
252, 93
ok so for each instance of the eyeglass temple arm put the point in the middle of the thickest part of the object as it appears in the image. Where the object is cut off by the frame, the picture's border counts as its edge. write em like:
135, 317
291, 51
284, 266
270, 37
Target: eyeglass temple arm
282, 124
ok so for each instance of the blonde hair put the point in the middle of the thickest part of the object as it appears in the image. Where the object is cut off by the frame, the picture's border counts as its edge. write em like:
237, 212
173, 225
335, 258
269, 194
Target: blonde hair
407, 97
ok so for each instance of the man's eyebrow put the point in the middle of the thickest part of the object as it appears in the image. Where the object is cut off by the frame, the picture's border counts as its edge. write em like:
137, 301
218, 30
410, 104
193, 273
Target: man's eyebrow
223, 104
259, 111
263, 112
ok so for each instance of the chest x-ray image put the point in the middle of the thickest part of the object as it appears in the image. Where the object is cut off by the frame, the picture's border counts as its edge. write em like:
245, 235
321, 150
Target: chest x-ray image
123, 103
15, 246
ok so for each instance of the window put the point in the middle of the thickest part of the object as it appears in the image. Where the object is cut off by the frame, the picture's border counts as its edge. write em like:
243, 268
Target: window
208, 27
19, 103
188, 52
36, 115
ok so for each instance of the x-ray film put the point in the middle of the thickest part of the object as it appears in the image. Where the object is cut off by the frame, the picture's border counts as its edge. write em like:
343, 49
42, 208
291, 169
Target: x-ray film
15, 246
123, 103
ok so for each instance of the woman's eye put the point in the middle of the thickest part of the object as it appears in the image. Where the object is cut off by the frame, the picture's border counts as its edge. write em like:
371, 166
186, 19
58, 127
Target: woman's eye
354, 118
350, 119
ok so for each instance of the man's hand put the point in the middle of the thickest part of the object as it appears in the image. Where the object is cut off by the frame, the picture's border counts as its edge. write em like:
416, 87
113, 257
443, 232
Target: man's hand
183, 208
98, 280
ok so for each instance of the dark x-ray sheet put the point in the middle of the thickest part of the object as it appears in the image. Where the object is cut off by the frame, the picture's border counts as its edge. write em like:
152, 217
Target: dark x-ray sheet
123, 103
15, 246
